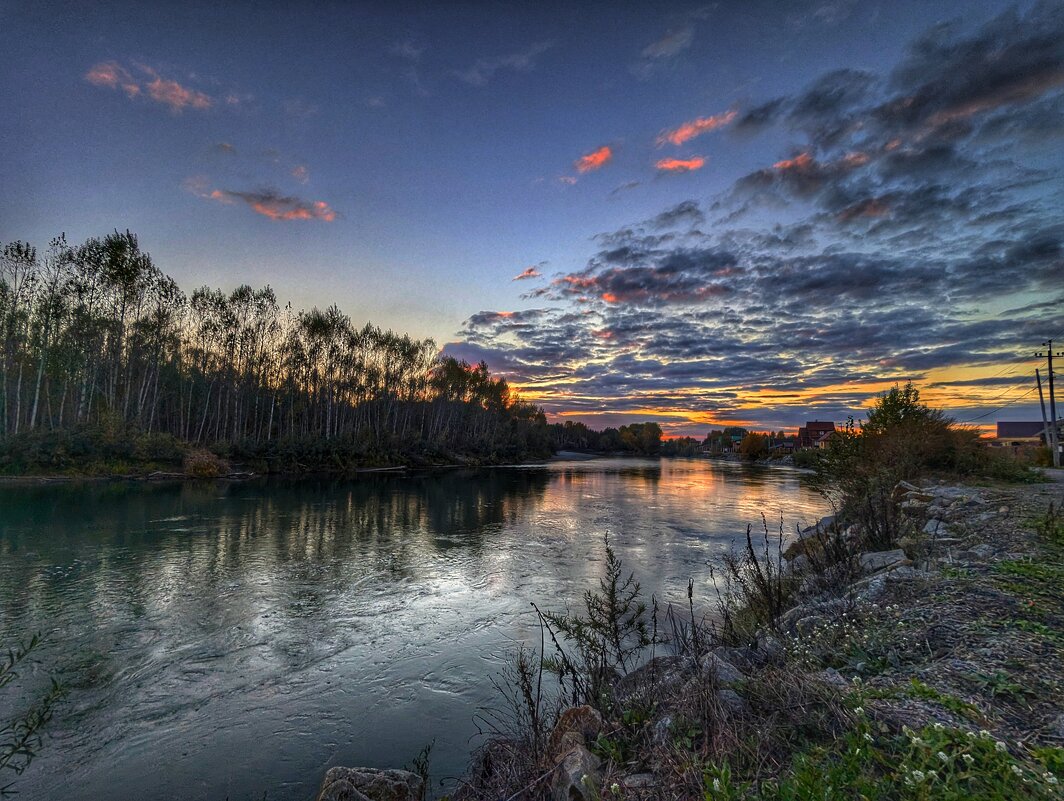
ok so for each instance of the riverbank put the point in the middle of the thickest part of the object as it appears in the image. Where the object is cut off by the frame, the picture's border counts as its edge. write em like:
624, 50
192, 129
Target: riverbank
928, 670
932, 669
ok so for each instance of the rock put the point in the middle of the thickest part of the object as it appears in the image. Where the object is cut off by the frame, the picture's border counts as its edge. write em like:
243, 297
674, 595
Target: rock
870, 589
936, 527
874, 561
725, 672
768, 648
576, 778
732, 702
359, 784
832, 678
800, 563
1004, 510
583, 721
638, 781
659, 676
822, 610
901, 489
913, 508
905, 573
1056, 726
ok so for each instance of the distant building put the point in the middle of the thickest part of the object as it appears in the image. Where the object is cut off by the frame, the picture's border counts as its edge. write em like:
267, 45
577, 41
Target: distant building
1015, 434
812, 432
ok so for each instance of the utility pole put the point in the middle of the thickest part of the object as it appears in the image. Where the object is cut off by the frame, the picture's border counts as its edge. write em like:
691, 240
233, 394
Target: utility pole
1042, 402
1054, 429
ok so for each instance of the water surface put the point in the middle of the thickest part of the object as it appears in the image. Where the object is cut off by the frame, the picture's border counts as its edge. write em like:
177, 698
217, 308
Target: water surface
229, 640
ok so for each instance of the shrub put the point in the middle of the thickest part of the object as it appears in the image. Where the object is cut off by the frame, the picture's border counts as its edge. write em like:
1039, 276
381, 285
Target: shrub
204, 464
605, 641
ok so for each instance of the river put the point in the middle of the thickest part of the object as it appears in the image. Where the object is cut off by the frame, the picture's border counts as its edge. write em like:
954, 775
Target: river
230, 640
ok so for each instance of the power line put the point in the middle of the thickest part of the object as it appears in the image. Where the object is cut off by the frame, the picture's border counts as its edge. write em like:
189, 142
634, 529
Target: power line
999, 408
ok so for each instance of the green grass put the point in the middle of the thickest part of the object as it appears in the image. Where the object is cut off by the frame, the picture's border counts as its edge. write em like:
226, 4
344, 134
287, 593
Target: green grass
917, 689
938, 762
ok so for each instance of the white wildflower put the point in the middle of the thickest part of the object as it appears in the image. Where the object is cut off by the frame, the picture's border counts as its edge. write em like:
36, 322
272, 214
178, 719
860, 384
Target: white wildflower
1016, 769
716, 785
1000, 746
942, 756
968, 758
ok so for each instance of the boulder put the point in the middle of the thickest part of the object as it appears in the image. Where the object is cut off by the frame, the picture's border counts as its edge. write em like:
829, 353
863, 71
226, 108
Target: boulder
576, 778
723, 671
370, 784
936, 528
732, 702
874, 561
901, 489
584, 722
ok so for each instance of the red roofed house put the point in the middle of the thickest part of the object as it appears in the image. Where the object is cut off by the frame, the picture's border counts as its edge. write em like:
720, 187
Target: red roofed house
813, 433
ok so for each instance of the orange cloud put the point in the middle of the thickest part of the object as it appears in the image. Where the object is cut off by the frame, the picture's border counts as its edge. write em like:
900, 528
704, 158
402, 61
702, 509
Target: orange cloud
609, 297
697, 127
594, 160
799, 162
681, 165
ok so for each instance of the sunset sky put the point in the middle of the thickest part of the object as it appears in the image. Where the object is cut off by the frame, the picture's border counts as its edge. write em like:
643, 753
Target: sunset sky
701, 214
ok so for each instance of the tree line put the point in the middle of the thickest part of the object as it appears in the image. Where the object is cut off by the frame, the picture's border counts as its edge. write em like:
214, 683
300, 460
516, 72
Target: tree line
96, 335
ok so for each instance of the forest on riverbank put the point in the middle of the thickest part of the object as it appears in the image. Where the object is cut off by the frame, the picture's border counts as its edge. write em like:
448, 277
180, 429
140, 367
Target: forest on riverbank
108, 366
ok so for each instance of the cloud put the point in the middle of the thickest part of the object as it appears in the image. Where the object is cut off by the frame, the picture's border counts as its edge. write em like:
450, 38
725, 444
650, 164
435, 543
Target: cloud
689, 130
681, 165
595, 160
687, 212
177, 97
678, 38
225, 148
919, 236
485, 69
111, 75
529, 272
167, 92
267, 202
301, 173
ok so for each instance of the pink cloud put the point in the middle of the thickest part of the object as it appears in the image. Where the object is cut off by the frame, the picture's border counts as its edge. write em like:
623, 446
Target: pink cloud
696, 127
528, 272
111, 75
267, 202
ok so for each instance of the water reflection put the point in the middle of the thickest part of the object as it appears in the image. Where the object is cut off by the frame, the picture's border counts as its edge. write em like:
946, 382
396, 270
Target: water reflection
257, 632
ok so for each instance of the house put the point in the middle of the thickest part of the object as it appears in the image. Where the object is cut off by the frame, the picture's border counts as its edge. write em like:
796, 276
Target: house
1016, 434
812, 432
825, 439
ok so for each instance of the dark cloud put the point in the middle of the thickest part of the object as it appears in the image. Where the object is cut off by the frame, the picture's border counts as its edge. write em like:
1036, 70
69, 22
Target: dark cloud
910, 241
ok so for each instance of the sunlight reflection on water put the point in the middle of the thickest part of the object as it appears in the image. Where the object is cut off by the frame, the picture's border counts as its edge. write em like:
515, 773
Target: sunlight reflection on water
234, 639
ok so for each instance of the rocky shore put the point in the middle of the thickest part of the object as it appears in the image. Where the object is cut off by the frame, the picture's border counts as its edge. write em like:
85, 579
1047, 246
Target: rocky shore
955, 631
